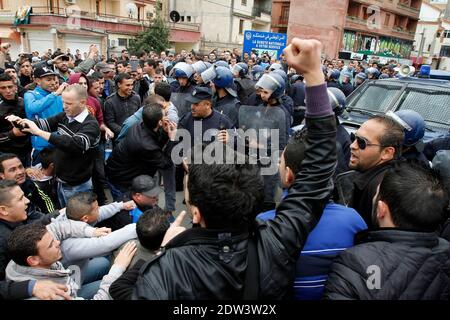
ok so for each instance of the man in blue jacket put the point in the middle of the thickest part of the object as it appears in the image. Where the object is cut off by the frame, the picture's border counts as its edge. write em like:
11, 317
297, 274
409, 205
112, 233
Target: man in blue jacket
332, 235
43, 102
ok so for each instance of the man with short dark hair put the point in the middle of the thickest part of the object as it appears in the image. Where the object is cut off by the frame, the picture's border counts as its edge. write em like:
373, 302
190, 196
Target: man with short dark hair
375, 145
121, 104
202, 113
98, 85
11, 168
151, 228
108, 74
36, 252
90, 253
227, 255
13, 213
333, 233
12, 140
125, 55
146, 148
149, 69
404, 259
122, 67
46, 181
25, 73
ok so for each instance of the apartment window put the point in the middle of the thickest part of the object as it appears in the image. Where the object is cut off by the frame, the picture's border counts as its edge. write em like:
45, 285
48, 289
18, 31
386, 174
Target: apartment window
447, 34
445, 51
123, 42
244, 2
241, 26
284, 14
365, 13
429, 48
182, 19
149, 15
188, 18
386, 19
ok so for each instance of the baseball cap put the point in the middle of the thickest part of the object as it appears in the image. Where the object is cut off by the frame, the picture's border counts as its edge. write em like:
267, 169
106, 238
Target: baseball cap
9, 65
200, 94
146, 185
43, 72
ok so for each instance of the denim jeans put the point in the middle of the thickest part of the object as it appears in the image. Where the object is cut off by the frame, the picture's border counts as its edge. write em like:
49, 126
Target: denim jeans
66, 191
98, 176
91, 276
168, 175
35, 157
116, 192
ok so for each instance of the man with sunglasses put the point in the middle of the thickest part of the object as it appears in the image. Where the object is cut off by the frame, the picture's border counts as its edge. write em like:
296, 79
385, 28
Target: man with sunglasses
404, 258
374, 147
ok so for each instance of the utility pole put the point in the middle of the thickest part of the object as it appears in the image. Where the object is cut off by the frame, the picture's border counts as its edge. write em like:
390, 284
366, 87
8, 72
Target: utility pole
422, 43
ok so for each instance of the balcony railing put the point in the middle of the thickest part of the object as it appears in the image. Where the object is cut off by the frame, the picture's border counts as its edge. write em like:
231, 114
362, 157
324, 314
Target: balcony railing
403, 31
356, 20
185, 26
407, 7
44, 10
281, 21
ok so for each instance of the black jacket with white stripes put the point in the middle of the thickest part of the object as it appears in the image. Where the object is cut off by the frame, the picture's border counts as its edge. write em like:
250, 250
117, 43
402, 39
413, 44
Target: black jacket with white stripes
75, 143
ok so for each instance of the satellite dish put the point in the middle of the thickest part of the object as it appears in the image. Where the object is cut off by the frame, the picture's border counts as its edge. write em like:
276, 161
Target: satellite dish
174, 16
131, 9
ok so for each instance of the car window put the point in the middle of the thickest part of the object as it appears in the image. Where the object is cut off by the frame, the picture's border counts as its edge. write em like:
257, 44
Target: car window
376, 98
432, 105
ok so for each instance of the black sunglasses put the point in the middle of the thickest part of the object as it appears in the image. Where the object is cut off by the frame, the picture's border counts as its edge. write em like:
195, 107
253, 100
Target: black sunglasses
362, 142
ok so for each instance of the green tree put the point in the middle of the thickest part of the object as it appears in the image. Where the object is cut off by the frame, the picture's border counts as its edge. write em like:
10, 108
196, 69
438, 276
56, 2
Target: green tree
153, 38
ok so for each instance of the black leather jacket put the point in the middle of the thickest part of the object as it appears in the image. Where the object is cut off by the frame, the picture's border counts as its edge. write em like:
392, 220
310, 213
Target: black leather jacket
210, 264
410, 266
8, 142
140, 152
118, 109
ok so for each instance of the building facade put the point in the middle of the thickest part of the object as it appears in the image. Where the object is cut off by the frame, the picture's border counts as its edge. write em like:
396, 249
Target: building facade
280, 15
346, 27
432, 40
76, 24
222, 22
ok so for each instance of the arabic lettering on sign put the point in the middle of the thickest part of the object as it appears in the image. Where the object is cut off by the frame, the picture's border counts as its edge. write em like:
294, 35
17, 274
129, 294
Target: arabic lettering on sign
258, 40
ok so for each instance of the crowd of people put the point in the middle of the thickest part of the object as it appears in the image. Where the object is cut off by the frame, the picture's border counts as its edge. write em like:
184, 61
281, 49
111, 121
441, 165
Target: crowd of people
361, 215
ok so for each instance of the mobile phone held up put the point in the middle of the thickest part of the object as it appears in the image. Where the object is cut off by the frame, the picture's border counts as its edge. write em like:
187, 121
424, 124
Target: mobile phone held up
134, 65
19, 126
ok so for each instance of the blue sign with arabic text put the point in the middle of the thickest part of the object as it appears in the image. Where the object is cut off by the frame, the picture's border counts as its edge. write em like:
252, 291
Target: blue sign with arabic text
264, 42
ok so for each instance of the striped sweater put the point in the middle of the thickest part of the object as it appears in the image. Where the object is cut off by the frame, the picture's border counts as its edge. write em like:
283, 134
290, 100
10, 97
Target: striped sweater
75, 144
